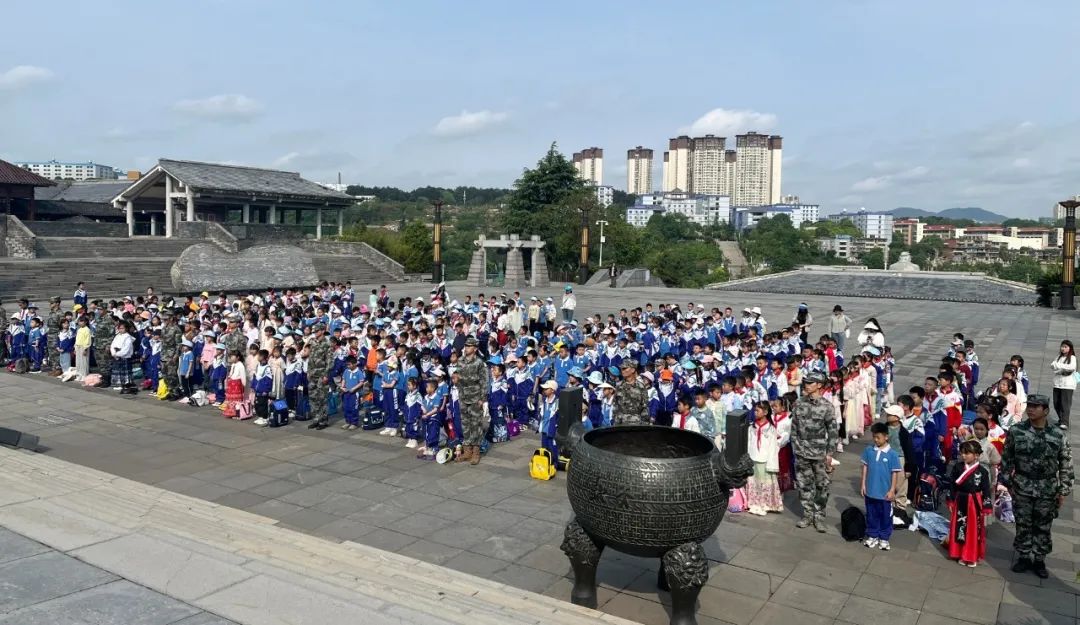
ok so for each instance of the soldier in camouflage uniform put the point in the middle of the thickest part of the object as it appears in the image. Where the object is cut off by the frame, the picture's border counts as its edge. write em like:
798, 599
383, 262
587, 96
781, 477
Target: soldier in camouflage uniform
104, 332
171, 338
234, 339
472, 392
320, 360
631, 405
813, 437
52, 327
1036, 466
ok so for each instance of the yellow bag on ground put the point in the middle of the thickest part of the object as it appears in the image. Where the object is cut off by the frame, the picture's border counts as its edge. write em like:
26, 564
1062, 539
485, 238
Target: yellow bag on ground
162, 390
542, 465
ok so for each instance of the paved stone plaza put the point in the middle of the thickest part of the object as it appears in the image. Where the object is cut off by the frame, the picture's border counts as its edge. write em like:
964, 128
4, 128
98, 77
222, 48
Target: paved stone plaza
496, 523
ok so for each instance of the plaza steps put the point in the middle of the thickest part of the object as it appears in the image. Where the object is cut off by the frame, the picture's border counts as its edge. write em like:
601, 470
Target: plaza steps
39, 279
336, 268
103, 247
66, 506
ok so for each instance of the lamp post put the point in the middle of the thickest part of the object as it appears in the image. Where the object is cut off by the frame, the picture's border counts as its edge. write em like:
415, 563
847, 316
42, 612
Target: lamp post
436, 270
1068, 255
583, 261
601, 223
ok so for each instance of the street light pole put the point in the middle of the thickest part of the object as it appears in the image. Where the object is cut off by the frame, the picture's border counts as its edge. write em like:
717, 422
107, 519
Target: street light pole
1068, 255
601, 223
583, 262
436, 270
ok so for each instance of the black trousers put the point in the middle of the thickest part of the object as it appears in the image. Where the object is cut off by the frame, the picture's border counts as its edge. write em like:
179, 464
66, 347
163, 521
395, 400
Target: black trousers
1063, 404
262, 406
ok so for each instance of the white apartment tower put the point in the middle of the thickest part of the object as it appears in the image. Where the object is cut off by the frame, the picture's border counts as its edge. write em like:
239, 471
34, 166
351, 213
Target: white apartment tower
727, 174
589, 164
758, 161
639, 170
706, 165
677, 165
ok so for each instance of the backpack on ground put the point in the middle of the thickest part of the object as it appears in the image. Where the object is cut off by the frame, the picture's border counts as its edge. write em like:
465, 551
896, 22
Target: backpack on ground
542, 465
852, 524
928, 493
279, 414
162, 390
22, 365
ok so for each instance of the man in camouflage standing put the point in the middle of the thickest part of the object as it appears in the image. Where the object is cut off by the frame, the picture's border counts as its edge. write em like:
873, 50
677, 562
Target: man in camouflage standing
813, 437
472, 392
104, 332
234, 340
171, 338
1036, 466
631, 405
319, 364
52, 327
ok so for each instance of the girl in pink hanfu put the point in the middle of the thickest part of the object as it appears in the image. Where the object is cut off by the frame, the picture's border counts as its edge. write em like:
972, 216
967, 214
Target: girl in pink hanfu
762, 489
854, 402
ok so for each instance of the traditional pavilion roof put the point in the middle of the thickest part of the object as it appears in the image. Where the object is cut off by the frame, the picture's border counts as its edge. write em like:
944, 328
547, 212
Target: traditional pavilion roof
96, 192
234, 180
13, 174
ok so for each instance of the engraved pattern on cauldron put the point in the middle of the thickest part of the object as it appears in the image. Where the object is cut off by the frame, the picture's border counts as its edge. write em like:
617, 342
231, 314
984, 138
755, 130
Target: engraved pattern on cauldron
638, 501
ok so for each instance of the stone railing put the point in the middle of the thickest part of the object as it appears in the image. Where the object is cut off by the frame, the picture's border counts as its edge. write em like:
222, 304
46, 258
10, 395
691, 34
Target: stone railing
363, 250
19, 241
259, 234
76, 229
208, 231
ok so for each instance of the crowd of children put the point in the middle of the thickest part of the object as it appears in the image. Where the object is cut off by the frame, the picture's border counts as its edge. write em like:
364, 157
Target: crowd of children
393, 368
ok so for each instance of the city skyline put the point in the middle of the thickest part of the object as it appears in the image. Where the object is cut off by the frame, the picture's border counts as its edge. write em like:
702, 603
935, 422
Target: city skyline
879, 106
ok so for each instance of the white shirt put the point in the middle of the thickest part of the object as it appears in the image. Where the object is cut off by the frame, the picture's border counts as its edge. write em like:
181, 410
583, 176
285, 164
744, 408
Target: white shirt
123, 345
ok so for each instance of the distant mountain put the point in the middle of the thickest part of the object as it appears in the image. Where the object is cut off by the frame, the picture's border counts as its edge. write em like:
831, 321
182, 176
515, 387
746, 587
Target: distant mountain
971, 212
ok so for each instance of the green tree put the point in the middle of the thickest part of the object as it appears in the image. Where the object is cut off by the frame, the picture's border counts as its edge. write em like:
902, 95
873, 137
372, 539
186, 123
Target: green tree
774, 242
691, 264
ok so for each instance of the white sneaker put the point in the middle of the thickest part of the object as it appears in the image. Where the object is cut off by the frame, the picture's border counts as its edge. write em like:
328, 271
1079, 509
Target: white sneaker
387, 431
835, 462
870, 542
260, 421
883, 545
411, 444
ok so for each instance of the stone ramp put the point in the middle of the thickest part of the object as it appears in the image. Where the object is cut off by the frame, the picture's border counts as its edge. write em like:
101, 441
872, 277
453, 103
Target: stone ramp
936, 286
733, 258
241, 566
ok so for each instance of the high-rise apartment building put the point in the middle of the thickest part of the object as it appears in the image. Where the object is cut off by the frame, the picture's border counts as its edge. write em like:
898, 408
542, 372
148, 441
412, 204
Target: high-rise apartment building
590, 165
677, 165
750, 174
1059, 210
639, 162
706, 164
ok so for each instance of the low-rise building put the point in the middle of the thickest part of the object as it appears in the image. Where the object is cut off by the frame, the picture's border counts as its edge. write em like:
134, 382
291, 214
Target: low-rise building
605, 195
908, 231
743, 217
58, 170
704, 210
873, 225
840, 245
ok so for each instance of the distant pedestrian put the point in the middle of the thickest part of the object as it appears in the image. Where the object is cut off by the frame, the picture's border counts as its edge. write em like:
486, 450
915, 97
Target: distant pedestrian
569, 304
1064, 367
839, 326
805, 320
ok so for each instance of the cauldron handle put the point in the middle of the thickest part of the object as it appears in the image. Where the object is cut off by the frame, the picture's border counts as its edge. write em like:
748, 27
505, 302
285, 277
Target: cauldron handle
730, 476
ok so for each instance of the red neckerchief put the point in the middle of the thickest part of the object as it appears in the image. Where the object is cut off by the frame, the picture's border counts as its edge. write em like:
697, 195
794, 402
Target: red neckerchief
967, 473
781, 416
758, 427
682, 420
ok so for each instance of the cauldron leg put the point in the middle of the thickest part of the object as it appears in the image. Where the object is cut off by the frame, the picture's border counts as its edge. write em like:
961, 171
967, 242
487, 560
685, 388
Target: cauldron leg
685, 569
584, 554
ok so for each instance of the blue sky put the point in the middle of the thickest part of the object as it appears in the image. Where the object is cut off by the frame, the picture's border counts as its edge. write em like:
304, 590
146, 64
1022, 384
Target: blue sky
881, 104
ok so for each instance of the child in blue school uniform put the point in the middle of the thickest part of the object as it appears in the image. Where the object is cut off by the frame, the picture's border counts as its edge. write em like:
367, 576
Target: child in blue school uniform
352, 385
66, 345
413, 412
294, 371
187, 364
430, 406
262, 384
549, 417
38, 342
219, 369
497, 405
452, 412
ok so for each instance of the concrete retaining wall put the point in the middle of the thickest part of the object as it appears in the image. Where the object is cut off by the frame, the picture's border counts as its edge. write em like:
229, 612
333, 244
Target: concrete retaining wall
76, 229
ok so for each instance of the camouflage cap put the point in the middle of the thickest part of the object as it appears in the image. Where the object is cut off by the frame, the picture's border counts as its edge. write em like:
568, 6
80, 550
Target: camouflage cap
815, 377
1038, 400
318, 327
54, 299
472, 342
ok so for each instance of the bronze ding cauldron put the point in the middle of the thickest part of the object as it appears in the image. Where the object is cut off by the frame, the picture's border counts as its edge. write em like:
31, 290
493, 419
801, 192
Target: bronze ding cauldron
649, 491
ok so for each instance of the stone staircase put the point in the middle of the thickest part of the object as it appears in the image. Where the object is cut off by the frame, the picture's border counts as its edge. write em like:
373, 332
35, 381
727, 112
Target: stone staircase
102, 247
40, 279
171, 543
349, 269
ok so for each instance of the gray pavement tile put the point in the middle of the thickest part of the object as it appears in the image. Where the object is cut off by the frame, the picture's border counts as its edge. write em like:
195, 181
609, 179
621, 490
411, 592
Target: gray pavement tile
776, 614
825, 576
14, 546
624, 577
308, 496
251, 601
929, 618
345, 466
204, 618
1011, 614
45, 576
781, 564
893, 568
462, 536
547, 557
452, 509
900, 593
311, 477
246, 481
241, 500
637, 609
503, 547
742, 581
276, 487
275, 509
209, 492
432, 552
342, 505
729, 606
862, 610
419, 525
388, 540
476, 564
308, 519
813, 599
533, 580
416, 501
343, 529
345, 484
1044, 599
536, 530
944, 603
379, 514
378, 491
119, 602
284, 470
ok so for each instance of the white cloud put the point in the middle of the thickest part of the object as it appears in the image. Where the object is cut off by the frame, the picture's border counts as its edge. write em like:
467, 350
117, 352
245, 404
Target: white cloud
728, 122
23, 76
229, 107
1022, 163
285, 160
877, 183
468, 123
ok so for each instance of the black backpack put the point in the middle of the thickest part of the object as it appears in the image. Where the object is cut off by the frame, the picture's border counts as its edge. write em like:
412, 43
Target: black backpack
852, 524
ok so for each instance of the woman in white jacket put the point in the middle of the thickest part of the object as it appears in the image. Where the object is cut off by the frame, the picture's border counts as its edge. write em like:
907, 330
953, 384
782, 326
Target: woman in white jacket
1064, 366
